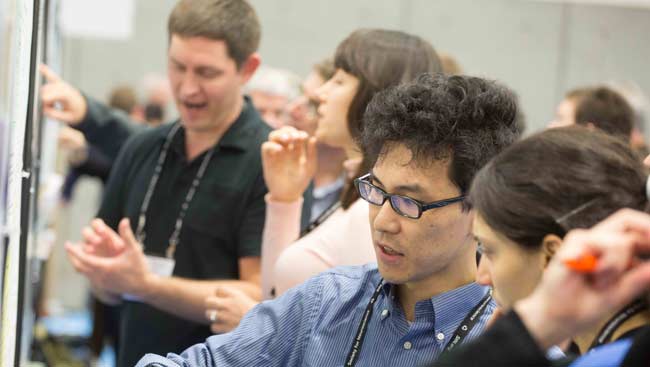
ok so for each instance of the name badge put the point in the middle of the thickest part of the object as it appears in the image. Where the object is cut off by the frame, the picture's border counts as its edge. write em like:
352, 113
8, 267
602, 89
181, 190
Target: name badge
160, 266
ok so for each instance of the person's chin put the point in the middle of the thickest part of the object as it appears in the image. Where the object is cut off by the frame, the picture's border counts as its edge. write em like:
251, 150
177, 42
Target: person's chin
391, 275
189, 124
322, 136
192, 122
193, 117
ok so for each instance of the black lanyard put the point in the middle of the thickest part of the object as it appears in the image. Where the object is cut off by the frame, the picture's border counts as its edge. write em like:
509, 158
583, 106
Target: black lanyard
606, 333
459, 335
321, 218
140, 233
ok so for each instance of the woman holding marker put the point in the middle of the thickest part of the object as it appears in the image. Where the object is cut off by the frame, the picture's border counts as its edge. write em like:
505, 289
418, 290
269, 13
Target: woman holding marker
569, 302
531, 195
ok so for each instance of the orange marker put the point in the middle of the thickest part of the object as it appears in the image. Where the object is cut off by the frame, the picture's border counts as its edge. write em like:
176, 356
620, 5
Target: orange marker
584, 264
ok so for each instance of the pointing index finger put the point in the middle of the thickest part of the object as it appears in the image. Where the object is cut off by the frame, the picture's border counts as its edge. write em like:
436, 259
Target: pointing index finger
49, 75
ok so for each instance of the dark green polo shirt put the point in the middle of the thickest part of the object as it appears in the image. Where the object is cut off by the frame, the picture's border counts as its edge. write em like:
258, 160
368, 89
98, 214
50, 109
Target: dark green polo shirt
224, 221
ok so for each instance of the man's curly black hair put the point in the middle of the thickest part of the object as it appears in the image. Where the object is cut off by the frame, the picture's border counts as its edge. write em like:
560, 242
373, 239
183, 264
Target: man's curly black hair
465, 119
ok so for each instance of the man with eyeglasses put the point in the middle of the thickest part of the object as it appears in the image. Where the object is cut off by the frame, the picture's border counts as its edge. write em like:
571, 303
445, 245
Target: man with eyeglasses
426, 141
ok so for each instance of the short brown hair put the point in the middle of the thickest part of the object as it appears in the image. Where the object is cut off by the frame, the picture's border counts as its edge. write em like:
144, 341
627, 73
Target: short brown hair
380, 58
606, 110
556, 181
232, 21
123, 98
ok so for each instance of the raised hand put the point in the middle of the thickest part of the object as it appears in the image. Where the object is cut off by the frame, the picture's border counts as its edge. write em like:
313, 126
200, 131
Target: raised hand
61, 101
289, 163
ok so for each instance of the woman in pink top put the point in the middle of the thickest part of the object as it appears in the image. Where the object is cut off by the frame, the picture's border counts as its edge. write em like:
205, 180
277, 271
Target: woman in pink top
366, 62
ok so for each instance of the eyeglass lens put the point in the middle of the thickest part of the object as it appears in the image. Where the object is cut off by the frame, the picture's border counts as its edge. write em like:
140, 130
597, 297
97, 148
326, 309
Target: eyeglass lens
402, 205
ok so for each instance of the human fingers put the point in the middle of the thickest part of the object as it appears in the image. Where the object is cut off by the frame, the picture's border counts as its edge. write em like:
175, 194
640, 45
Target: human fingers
48, 73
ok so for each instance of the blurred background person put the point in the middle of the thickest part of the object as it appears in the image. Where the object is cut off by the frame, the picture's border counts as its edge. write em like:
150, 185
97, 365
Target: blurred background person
565, 112
271, 90
125, 99
449, 64
638, 100
596, 107
157, 101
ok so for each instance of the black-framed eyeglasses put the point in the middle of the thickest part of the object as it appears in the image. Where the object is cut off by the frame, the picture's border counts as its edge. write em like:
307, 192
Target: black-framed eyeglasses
402, 205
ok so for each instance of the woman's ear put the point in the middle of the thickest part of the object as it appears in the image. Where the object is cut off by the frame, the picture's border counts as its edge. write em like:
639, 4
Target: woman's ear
550, 244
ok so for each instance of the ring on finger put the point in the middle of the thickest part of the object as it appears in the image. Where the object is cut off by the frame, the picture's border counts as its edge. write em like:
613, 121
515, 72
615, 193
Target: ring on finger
212, 315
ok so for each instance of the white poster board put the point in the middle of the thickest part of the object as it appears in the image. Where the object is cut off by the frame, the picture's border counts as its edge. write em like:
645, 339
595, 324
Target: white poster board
18, 20
109, 19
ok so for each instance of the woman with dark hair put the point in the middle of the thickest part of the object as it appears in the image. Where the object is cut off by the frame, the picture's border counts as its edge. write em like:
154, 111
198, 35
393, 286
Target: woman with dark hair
366, 62
529, 196
568, 302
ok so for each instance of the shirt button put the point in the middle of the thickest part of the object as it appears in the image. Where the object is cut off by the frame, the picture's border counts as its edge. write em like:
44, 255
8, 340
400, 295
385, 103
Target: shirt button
440, 336
408, 345
384, 313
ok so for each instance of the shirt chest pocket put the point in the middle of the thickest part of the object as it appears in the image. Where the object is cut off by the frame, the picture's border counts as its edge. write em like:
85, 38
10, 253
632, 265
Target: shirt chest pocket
211, 218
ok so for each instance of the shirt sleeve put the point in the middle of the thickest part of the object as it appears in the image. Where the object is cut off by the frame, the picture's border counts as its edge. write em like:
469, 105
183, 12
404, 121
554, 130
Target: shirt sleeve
107, 128
281, 228
342, 239
250, 230
274, 333
297, 264
97, 164
111, 209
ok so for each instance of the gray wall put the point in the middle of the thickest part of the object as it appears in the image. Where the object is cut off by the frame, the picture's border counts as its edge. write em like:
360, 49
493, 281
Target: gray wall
539, 49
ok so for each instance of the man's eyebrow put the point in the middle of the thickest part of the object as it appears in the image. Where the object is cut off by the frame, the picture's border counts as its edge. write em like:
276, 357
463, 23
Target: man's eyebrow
413, 188
373, 177
173, 60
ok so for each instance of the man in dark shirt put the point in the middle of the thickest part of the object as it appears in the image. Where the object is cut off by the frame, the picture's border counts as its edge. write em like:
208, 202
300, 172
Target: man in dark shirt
192, 191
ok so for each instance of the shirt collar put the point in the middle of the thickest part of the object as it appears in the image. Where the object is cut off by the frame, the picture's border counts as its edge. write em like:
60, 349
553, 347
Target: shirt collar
447, 308
236, 137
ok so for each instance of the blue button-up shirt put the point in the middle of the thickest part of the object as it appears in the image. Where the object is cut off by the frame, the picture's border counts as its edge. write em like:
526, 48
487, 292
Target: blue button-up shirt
314, 324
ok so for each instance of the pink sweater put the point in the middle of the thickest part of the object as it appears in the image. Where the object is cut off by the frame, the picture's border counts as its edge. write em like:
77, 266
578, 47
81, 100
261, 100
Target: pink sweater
343, 239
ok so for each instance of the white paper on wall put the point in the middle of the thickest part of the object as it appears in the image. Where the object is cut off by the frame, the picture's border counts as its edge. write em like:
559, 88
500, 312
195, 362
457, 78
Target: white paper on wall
624, 3
108, 19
